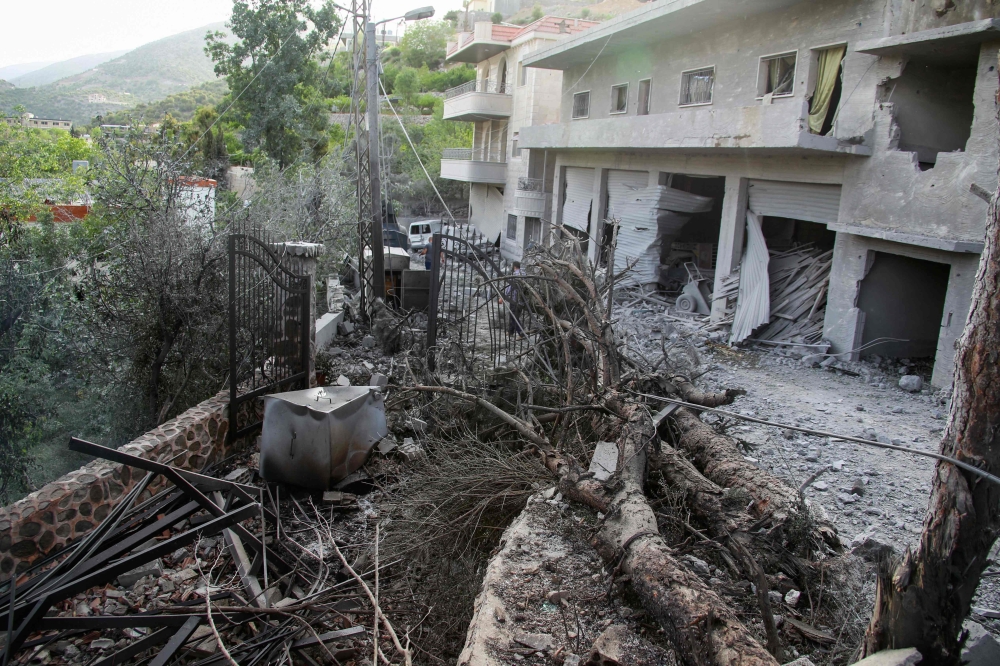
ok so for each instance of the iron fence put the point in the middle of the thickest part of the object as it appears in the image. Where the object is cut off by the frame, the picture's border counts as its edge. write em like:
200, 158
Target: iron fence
478, 315
269, 322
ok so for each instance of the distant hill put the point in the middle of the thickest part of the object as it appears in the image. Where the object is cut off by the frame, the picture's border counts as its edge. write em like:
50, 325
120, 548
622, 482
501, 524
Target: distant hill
5, 85
60, 70
13, 71
180, 105
146, 74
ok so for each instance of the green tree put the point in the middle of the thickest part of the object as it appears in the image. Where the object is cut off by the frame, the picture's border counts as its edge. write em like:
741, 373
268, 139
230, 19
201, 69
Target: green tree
406, 84
424, 43
273, 73
537, 13
496, 17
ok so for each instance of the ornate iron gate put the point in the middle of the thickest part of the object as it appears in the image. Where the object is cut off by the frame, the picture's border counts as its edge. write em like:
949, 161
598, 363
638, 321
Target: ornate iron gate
268, 324
477, 307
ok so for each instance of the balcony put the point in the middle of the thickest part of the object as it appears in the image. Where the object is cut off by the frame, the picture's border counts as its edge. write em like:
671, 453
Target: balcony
531, 199
484, 99
780, 127
485, 41
468, 166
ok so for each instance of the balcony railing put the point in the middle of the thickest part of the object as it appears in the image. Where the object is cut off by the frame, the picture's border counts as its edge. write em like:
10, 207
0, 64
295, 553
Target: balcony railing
530, 184
471, 155
481, 86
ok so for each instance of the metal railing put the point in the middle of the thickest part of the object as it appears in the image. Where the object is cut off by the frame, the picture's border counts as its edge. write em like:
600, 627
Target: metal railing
478, 155
530, 184
479, 85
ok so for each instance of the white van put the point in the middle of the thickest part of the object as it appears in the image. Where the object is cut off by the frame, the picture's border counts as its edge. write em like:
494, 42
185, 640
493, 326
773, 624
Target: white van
421, 232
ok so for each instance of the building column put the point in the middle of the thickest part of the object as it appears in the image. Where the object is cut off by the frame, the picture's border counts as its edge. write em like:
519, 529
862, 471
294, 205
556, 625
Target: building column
301, 259
731, 232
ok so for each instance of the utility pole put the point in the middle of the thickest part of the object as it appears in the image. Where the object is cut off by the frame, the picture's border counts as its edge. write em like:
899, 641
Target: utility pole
375, 188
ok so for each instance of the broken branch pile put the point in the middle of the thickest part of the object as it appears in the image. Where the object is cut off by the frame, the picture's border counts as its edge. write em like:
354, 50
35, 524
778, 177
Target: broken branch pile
579, 383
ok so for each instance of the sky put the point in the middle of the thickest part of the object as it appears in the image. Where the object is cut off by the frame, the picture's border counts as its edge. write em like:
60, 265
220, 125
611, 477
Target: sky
63, 29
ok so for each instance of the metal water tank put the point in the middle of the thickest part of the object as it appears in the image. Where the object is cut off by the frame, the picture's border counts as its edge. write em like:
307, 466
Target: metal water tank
318, 436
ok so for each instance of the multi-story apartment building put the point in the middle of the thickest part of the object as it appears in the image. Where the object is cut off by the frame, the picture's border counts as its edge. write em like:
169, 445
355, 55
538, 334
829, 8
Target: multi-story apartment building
510, 192
863, 126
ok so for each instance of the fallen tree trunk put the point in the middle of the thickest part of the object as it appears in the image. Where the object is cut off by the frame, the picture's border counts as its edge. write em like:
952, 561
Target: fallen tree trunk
717, 457
704, 499
928, 596
704, 629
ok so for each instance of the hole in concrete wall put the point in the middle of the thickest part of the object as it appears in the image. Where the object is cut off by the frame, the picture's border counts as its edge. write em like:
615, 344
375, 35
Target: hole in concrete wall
933, 107
903, 298
782, 233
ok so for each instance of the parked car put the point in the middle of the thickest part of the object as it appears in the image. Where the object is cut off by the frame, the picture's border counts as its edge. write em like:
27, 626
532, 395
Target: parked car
421, 232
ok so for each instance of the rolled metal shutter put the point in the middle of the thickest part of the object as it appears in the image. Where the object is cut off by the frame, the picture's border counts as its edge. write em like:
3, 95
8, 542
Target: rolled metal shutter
622, 186
579, 196
811, 202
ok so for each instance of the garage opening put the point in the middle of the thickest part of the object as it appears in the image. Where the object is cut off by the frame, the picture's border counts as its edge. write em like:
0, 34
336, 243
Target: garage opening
933, 107
698, 240
903, 298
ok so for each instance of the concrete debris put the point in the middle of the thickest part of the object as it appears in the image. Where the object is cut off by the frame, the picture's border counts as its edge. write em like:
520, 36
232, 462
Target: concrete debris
904, 657
980, 649
792, 598
130, 578
540, 642
605, 460
911, 383
378, 379
343, 381
411, 450
102, 644
801, 661
368, 342
858, 487
608, 649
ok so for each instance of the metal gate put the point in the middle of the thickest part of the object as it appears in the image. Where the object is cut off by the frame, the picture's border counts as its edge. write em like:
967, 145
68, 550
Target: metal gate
268, 324
477, 316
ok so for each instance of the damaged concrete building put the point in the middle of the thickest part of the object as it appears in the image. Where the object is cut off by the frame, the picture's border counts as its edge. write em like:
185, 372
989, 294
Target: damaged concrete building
862, 127
507, 186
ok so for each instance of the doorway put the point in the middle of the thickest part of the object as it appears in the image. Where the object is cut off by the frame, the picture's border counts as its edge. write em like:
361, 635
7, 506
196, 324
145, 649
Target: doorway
903, 298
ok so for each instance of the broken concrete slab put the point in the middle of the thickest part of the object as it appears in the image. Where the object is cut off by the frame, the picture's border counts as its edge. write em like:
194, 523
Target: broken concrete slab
345, 328
608, 649
605, 460
540, 642
904, 657
130, 578
326, 328
981, 649
378, 379
368, 342
911, 383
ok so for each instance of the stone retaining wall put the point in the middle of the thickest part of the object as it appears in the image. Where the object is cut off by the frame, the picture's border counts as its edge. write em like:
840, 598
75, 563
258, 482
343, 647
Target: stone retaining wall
69, 507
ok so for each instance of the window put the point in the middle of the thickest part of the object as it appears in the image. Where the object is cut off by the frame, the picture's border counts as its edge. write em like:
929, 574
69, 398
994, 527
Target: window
512, 227
697, 86
581, 104
776, 75
642, 106
619, 98
522, 78
515, 151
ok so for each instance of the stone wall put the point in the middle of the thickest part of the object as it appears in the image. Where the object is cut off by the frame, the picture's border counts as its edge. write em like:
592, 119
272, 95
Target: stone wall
69, 507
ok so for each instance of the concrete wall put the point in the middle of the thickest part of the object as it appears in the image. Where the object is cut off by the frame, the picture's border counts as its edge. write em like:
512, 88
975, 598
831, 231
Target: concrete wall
906, 16
734, 49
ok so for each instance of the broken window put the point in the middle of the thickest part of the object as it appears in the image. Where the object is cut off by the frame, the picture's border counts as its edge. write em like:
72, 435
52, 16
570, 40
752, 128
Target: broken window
532, 231
523, 77
826, 93
512, 227
776, 75
515, 151
619, 98
932, 105
581, 104
697, 86
642, 107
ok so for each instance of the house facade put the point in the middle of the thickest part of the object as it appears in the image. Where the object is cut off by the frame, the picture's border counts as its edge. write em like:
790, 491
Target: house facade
865, 127
510, 192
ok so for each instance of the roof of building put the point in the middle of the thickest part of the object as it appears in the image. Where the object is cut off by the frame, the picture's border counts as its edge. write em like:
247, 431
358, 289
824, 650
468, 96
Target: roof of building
467, 48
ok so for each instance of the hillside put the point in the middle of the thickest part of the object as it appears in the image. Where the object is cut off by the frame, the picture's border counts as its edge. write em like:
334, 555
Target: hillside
180, 105
146, 74
13, 71
60, 70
